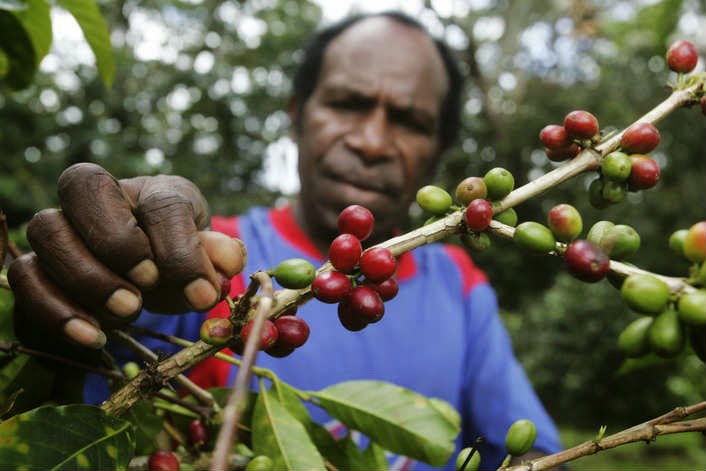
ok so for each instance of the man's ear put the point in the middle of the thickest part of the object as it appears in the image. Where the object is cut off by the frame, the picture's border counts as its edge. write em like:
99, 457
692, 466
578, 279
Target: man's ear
294, 111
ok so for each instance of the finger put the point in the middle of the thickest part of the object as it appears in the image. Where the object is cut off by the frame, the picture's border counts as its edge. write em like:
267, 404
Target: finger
43, 311
228, 254
170, 210
73, 267
101, 213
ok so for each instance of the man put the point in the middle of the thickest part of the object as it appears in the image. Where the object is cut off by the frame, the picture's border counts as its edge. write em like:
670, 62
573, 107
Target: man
376, 102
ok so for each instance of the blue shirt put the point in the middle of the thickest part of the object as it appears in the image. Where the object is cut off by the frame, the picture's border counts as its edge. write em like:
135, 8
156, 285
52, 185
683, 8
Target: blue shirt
441, 336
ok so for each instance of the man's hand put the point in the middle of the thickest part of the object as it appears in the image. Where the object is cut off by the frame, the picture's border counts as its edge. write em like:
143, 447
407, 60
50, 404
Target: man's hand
114, 246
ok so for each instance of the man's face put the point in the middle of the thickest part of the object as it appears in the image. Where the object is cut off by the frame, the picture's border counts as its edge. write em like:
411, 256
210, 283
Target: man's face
369, 133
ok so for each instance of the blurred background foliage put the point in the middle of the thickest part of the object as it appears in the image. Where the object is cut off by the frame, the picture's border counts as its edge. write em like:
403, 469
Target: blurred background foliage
200, 89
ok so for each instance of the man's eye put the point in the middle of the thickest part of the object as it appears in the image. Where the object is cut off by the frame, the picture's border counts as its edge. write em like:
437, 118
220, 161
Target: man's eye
350, 104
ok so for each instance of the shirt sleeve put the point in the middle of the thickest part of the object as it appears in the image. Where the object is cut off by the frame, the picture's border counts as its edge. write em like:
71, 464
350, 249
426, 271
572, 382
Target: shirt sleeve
497, 391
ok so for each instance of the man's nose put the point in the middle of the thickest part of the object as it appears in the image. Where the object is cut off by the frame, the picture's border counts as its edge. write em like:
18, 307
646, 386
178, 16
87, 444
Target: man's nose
371, 136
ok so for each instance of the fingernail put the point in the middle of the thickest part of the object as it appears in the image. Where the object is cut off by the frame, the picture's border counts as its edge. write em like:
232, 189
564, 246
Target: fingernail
232, 257
123, 303
84, 333
144, 274
201, 294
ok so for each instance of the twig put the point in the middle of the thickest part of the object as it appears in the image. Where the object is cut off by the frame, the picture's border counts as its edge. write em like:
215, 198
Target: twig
646, 431
201, 395
237, 400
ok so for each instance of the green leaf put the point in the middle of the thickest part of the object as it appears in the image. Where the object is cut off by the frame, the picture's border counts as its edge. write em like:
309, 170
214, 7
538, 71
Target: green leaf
400, 420
76, 436
30, 375
289, 399
147, 425
37, 23
96, 32
345, 454
277, 434
17, 46
13, 5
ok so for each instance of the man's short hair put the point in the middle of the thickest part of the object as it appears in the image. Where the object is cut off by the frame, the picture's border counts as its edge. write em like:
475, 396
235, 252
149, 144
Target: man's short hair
307, 75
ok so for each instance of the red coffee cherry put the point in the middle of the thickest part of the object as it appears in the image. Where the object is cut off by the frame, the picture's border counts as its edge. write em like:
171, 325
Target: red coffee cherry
581, 124
344, 252
198, 433
366, 303
268, 337
279, 350
644, 172
217, 331
478, 215
586, 261
640, 138
378, 264
682, 57
562, 153
225, 286
349, 318
565, 222
554, 136
292, 331
387, 289
163, 460
330, 286
356, 220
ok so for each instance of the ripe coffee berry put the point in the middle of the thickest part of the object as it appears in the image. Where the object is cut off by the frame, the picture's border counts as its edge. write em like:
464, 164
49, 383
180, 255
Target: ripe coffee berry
292, 331
349, 318
344, 252
478, 215
163, 460
562, 153
644, 172
640, 138
378, 264
387, 289
565, 222
554, 136
469, 189
586, 261
356, 220
682, 57
366, 303
330, 286
581, 124
216, 331
198, 433
268, 337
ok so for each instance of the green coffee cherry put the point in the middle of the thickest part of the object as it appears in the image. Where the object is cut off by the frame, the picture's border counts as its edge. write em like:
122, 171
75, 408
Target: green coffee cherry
595, 194
666, 334
294, 273
620, 241
131, 369
612, 191
507, 217
520, 437
676, 242
434, 199
534, 237
499, 183
217, 331
692, 308
259, 463
472, 465
476, 241
616, 166
645, 293
632, 341
597, 230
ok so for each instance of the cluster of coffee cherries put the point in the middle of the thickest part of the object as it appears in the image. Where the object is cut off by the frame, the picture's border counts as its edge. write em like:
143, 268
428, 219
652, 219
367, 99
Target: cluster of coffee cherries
666, 318
361, 280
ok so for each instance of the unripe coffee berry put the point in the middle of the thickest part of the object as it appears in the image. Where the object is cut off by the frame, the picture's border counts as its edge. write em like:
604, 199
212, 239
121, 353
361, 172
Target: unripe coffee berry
330, 286
217, 331
581, 124
469, 189
586, 261
268, 337
520, 437
378, 264
508, 217
163, 460
260, 463
644, 172
676, 242
294, 273
344, 252
682, 57
616, 166
473, 463
478, 215
366, 303
565, 222
695, 242
632, 341
357, 220
499, 182
554, 136
434, 199
476, 241
292, 331
640, 138
645, 293
198, 433
534, 237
